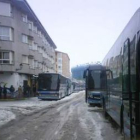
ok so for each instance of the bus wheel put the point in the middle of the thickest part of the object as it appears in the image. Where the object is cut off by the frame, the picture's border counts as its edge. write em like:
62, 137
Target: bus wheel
104, 108
121, 120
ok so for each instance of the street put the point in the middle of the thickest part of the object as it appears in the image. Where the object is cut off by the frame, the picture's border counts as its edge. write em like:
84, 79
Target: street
69, 119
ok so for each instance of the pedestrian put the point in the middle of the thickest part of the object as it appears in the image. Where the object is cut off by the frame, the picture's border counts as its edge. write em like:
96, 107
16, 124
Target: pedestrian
34, 90
0, 92
24, 91
12, 89
28, 90
19, 92
5, 92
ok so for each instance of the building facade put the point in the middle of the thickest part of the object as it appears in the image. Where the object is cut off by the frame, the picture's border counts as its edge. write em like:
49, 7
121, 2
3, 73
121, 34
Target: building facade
62, 63
26, 49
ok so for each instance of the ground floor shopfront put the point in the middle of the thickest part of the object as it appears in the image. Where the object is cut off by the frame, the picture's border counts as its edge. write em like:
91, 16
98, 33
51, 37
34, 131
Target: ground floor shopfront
18, 79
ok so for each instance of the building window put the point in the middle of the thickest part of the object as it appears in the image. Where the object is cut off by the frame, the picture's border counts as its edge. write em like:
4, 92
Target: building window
24, 38
30, 42
59, 67
44, 68
35, 46
43, 39
39, 49
11, 11
30, 25
24, 18
60, 61
39, 33
31, 63
35, 29
42, 50
5, 9
40, 65
25, 59
59, 55
6, 57
36, 64
6, 33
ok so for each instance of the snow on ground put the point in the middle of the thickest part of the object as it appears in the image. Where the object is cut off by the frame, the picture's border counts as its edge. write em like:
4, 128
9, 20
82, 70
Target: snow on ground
26, 106
91, 125
6, 116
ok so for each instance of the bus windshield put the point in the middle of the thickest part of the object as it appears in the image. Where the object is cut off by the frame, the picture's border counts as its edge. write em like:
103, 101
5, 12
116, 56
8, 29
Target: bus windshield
48, 82
96, 79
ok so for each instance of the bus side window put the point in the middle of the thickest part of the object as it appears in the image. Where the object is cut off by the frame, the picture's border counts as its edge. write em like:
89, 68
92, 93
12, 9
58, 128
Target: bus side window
133, 64
103, 79
85, 74
109, 76
58, 84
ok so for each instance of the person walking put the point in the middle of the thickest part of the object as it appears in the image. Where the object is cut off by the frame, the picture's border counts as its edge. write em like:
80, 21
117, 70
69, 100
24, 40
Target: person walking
19, 92
34, 90
5, 92
12, 89
28, 90
24, 91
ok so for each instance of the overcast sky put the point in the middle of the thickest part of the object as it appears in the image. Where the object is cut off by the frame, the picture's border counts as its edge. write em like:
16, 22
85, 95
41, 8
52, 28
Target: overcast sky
85, 29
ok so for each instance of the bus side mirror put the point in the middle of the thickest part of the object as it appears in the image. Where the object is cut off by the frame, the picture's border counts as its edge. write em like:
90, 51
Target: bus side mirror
84, 74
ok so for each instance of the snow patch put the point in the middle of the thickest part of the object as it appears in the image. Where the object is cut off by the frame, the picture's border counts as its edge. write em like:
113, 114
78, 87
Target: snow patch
26, 106
87, 124
6, 116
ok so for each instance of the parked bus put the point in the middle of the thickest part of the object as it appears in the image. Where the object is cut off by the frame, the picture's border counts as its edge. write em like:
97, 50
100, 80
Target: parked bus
72, 87
52, 86
122, 101
69, 84
95, 78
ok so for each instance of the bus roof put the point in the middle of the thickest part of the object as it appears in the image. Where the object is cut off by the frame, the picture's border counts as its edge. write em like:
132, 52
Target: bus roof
95, 67
130, 30
52, 74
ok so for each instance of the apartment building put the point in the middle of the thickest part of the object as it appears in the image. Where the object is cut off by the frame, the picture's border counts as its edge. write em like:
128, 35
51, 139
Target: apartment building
62, 63
26, 49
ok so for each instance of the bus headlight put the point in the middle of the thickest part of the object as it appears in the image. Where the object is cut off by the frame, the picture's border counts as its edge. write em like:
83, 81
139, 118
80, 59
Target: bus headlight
97, 98
90, 95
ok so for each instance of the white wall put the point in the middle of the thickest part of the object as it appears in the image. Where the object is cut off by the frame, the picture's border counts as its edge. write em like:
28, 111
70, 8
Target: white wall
21, 79
13, 79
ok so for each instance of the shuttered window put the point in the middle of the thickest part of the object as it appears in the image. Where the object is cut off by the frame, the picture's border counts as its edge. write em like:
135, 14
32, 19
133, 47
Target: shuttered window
5, 9
6, 33
25, 59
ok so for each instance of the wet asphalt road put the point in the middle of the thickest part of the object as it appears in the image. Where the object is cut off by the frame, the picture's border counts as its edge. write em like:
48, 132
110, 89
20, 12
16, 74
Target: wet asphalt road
68, 120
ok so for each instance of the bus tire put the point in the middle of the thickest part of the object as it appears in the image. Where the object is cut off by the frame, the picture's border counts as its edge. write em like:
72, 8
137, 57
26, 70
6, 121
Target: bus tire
121, 119
104, 108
